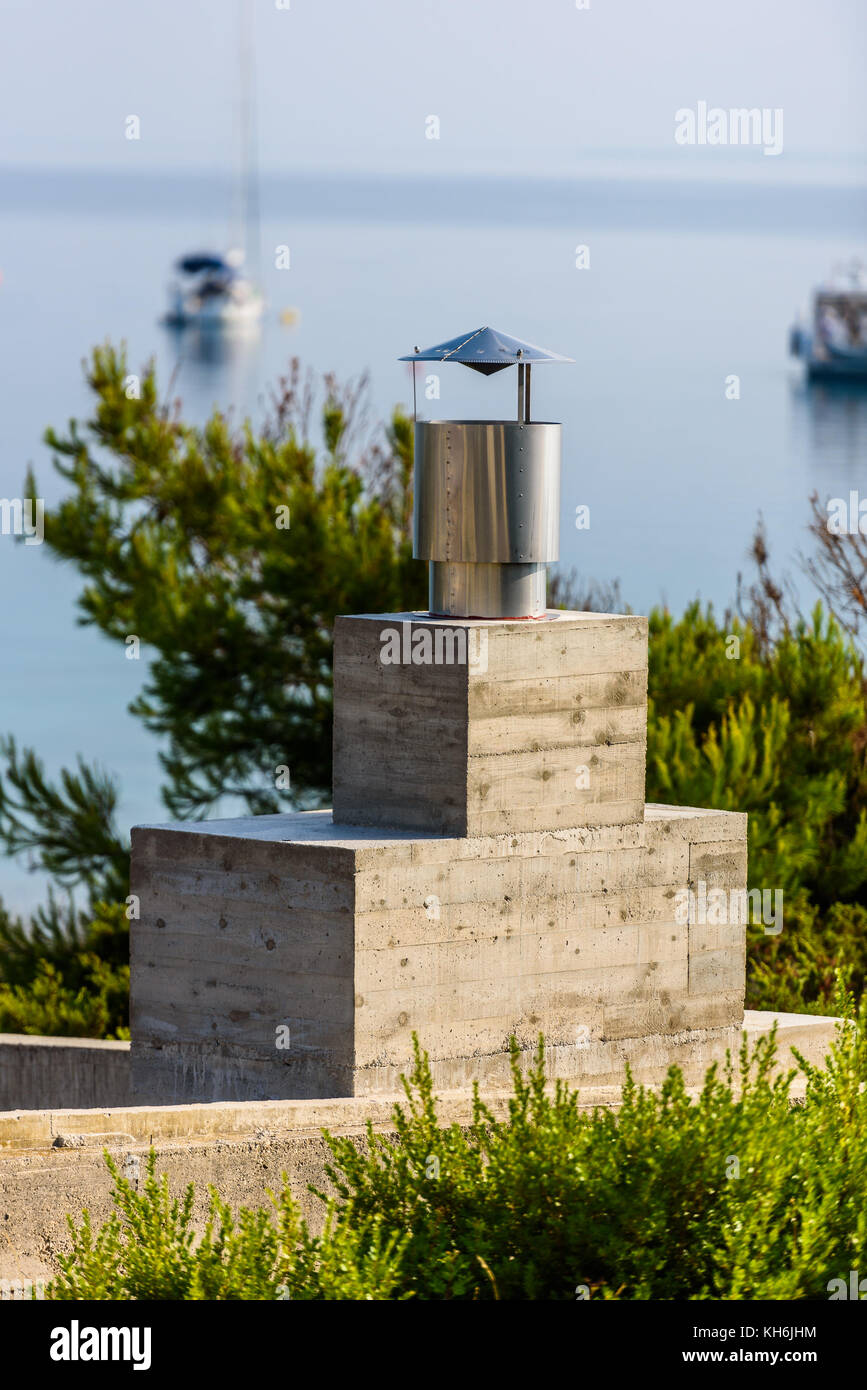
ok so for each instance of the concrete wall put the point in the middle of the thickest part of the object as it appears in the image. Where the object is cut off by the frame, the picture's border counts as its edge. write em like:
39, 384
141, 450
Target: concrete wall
45, 1073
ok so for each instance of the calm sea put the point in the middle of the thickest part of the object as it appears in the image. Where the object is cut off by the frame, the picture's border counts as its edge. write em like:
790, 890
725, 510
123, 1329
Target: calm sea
688, 284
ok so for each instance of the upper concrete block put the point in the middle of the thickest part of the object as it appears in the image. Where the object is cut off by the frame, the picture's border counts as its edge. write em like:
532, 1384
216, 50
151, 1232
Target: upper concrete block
469, 727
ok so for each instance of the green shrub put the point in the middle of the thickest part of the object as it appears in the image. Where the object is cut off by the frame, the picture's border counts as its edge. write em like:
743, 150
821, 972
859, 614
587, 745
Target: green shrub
778, 731
72, 981
734, 1194
66, 971
147, 1250
180, 534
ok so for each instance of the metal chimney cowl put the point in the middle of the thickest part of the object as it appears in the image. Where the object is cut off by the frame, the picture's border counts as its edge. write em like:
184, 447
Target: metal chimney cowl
487, 512
487, 494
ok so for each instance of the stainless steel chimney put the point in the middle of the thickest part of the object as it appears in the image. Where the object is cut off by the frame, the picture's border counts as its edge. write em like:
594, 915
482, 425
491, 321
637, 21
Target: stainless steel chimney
487, 493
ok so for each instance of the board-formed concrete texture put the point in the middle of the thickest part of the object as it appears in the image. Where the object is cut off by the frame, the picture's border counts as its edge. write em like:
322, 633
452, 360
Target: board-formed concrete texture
473, 727
490, 871
39, 1073
286, 956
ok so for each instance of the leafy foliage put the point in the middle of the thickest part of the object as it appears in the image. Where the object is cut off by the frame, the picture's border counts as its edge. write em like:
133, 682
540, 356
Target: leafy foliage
777, 729
68, 830
67, 970
730, 1195
735, 1193
147, 1250
72, 981
228, 553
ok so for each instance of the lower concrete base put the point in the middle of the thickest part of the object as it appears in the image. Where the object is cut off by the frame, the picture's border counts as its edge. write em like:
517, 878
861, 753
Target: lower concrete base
51, 1161
291, 957
189, 1070
47, 1074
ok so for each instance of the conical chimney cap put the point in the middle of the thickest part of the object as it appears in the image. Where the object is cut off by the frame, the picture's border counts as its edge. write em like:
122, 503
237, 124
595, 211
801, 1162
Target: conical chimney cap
486, 350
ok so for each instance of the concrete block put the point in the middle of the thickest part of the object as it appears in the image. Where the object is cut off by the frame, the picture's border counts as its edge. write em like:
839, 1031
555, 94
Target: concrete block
719, 864
534, 725
663, 1015
290, 956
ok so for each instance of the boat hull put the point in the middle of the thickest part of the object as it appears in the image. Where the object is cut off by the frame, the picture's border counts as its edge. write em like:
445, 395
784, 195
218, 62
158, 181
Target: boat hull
827, 364
837, 370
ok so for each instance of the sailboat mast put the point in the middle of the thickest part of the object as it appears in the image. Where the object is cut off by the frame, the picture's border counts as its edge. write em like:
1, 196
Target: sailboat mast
248, 195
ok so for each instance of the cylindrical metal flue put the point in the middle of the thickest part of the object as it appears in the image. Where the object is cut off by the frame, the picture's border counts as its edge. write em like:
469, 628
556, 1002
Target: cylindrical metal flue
487, 507
487, 591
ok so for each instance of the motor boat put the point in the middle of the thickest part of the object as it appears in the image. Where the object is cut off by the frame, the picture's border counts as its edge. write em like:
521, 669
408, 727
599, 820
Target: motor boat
833, 342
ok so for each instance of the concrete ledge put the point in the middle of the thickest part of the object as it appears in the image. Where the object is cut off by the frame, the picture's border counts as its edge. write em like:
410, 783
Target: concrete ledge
39, 1073
118, 1125
811, 1034
50, 1087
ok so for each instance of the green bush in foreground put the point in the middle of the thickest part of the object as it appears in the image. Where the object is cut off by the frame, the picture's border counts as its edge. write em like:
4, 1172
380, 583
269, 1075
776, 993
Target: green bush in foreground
148, 1250
736, 1194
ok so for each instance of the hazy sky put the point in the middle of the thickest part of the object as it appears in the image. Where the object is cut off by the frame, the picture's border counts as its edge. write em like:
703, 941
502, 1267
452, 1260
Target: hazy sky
519, 86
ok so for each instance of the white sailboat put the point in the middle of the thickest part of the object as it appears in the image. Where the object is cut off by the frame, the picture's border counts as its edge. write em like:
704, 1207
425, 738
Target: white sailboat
211, 290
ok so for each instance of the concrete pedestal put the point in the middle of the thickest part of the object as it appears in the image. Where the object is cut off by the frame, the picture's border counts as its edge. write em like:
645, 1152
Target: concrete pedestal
284, 956
490, 871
